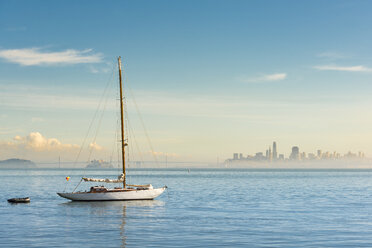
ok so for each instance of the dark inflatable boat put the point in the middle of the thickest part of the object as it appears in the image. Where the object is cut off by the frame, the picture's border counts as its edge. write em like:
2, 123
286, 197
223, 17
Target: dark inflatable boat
19, 200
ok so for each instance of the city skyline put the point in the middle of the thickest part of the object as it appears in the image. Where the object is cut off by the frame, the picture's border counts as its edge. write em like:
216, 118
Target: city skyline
209, 77
295, 155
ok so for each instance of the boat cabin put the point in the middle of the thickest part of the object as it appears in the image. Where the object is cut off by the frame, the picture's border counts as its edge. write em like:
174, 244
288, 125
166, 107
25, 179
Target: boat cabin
97, 189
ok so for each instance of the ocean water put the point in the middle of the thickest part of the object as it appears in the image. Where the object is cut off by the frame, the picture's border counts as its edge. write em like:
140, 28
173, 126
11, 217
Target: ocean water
201, 208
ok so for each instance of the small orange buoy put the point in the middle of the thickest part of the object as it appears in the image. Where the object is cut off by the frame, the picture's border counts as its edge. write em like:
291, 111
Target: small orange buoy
67, 178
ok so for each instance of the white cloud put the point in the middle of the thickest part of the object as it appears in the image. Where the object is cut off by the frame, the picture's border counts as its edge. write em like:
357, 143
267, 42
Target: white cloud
357, 68
34, 56
264, 78
37, 147
36, 142
95, 146
274, 77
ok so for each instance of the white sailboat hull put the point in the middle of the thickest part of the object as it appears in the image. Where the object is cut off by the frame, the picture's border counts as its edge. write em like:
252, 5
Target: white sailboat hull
147, 194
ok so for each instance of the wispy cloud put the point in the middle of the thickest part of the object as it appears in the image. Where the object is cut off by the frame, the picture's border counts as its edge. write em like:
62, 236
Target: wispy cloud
274, 77
163, 154
331, 55
45, 99
357, 68
15, 28
263, 78
37, 57
104, 69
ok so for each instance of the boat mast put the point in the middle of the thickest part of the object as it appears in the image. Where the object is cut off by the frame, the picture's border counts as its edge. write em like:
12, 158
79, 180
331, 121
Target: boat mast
122, 122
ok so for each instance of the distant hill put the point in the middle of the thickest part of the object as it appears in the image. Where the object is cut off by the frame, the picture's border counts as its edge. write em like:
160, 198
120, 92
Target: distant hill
15, 163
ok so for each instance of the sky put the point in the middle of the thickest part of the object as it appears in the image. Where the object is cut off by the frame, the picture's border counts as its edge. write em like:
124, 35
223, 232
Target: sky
209, 78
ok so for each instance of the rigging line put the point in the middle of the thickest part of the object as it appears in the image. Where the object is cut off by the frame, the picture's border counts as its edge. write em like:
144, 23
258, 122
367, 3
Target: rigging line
117, 127
98, 127
96, 134
77, 185
110, 79
126, 128
114, 148
144, 127
93, 119
129, 147
135, 141
117, 139
117, 143
64, 189
118, 146
126, 120
112, 151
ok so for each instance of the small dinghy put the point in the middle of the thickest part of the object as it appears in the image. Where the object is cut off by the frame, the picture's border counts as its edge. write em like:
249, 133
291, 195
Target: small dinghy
19, 200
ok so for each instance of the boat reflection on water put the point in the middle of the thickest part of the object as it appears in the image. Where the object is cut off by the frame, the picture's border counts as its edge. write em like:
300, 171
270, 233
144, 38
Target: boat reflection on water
114, 204
118, 210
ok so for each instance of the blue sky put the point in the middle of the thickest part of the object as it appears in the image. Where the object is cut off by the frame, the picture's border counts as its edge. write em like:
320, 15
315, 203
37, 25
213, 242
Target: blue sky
210, 77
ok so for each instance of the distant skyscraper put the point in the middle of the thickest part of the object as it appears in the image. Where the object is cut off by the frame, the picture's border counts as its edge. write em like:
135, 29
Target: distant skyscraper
319, 154
326, 155
303, 155
235, 156
275, 152
311, 156
270, 154
295, 155
259, 156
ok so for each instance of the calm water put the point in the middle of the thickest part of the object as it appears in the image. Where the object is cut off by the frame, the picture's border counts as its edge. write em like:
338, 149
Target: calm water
203, 208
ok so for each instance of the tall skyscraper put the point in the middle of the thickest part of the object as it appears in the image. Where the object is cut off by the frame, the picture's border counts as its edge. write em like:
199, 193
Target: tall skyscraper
270, 155
275, 152
235, 156
319, 154
295, 155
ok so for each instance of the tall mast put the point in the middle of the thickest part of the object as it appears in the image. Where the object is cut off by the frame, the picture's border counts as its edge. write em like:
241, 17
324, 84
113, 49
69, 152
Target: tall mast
122, 122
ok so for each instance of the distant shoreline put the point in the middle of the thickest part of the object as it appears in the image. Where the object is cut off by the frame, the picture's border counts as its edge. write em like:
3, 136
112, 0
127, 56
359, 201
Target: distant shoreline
14, 163
237, 164
203, 168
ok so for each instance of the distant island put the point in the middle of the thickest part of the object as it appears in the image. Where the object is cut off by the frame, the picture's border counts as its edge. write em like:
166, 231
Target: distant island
16, 163
99, 164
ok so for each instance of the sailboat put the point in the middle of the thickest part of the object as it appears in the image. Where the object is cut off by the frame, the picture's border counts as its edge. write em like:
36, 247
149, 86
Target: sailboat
127, 192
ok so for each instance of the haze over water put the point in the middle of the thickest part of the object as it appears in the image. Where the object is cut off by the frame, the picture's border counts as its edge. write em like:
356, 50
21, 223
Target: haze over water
210, 78
202, 208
